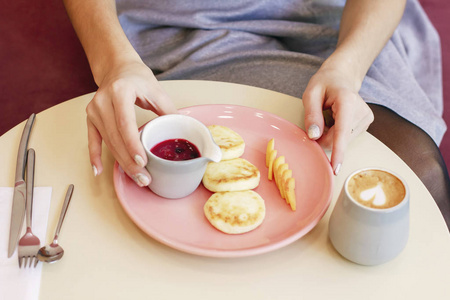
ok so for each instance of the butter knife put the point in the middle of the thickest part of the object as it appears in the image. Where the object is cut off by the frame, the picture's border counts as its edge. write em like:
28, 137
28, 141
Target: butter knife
19, 197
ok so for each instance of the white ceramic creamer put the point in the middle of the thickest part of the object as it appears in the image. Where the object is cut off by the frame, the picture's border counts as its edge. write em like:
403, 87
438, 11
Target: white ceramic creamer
178, 179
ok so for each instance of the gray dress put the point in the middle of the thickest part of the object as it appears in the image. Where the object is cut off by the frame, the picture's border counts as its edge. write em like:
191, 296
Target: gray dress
280, 44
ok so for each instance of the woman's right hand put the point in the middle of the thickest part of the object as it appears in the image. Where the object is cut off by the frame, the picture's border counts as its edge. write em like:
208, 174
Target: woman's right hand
111, 117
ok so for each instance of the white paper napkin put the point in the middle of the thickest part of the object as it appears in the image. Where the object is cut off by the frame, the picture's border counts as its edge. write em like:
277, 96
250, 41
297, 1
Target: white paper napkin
21, 283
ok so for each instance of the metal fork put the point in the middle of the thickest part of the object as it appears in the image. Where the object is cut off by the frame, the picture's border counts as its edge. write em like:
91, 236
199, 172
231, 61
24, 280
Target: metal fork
29, 244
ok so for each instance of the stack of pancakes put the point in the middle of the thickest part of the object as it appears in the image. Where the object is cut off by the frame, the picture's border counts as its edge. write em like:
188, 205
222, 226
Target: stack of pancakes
234, 207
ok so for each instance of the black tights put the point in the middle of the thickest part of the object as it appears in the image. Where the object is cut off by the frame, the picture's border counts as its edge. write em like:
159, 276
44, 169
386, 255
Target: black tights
417, 150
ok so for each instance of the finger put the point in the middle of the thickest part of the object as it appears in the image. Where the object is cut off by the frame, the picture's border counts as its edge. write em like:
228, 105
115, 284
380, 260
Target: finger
313, 102
104, 120
95, 148
341, 133
123, 103
156, 99
117, 147
163, 104
366, 119
363, 117
113, 140
326, 140
359, 126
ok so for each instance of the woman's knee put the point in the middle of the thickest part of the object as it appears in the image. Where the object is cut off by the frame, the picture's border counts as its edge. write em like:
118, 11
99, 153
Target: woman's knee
431, 170
417, 150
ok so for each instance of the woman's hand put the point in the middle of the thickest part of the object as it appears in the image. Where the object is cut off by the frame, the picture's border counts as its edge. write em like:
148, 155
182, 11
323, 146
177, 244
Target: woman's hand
365, 28
123, 80
111, 117
331, 88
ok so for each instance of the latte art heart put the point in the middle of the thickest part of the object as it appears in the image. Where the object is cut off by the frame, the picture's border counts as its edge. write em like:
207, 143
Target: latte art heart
376, 195
376, 189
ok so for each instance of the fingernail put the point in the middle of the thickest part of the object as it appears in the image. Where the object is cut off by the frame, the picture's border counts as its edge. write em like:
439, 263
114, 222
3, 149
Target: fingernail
141, 179
313, 132
94, 168
337, 169
139, 161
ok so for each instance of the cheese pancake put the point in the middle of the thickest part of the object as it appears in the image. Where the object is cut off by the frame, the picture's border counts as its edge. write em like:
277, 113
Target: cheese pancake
230, 142
235, 212
231, 175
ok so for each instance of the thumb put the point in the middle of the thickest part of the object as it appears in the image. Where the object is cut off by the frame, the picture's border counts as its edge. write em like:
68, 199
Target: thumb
313, 102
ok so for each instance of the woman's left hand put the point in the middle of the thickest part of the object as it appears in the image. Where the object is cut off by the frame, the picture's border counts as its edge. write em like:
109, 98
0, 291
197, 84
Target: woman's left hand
331, 88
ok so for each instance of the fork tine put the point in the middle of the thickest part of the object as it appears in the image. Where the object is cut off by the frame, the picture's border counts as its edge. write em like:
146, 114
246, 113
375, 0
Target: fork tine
20, 261
36, 260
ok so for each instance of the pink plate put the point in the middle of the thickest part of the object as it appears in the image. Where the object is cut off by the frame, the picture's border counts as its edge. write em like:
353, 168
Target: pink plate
181, 223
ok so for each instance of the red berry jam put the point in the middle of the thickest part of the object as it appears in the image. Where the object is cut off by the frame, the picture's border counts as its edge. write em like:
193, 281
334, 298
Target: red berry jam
176, 149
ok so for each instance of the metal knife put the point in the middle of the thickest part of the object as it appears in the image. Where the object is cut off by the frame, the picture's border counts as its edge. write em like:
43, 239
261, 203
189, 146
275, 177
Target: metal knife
19, 198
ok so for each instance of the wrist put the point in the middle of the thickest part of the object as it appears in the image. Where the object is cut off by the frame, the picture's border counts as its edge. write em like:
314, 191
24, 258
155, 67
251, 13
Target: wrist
346, 65
106, 63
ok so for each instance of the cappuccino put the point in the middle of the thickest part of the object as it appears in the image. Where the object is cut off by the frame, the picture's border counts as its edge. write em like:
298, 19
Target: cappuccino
376, 189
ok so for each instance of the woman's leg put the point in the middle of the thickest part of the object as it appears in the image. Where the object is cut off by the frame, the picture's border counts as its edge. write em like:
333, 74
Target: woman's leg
417, 150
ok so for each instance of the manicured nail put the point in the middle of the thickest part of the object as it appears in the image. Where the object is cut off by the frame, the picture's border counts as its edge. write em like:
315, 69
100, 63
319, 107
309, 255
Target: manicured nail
337, 169
94, 168
141, 179
139, 161
313, 132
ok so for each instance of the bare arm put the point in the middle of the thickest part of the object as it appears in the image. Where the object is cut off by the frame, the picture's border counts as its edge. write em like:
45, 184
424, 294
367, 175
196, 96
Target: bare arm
100, 33
366, 26
123, 80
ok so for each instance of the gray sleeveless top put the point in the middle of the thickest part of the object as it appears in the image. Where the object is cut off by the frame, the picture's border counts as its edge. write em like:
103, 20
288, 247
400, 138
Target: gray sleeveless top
280, 44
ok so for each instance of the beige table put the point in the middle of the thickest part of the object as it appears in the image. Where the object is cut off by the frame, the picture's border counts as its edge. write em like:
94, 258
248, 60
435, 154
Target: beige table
108, 257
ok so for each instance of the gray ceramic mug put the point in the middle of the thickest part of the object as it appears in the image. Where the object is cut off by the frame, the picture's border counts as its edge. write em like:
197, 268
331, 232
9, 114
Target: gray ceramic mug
369, 235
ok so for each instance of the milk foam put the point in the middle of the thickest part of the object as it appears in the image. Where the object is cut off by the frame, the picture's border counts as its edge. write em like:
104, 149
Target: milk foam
377, 192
